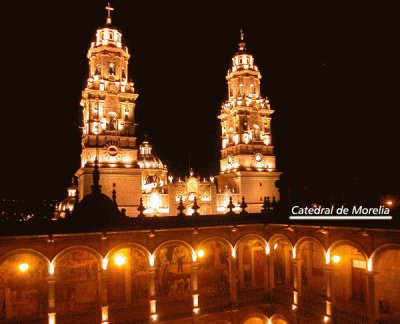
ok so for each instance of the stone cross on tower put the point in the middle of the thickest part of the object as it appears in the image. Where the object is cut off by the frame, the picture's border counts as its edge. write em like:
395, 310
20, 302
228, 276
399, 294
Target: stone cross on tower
109, 9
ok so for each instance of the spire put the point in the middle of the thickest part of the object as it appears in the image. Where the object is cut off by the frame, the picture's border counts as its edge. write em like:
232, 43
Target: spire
242, 43
96, 188
109, 9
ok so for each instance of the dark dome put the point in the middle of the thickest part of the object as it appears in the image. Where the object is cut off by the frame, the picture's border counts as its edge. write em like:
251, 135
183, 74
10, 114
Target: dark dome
96, 209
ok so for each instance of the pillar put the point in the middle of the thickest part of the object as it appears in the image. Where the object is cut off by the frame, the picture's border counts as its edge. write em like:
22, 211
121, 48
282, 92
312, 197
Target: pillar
103, 295
233, 281
194, 284
152, 293
328, 300
128, 278
372, 305
51, 300
296, 280
267, 283
271, 275
241, 268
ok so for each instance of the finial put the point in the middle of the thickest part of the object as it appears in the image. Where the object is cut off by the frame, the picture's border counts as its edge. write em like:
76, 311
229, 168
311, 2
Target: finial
242, 35
96, 188
191, 172
109, 9
141, 208
243, 206
145, 137
181, 207
114, 195
230, 206
195, 208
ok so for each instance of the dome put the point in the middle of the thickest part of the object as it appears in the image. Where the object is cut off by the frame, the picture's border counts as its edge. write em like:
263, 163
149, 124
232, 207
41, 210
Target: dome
96, 209
146, 160
67, 205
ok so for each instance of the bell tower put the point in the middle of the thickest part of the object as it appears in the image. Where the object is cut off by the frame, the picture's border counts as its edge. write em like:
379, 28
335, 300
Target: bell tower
247, 163
108, 105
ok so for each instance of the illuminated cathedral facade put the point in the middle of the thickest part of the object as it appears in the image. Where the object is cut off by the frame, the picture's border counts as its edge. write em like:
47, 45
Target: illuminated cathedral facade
247, 164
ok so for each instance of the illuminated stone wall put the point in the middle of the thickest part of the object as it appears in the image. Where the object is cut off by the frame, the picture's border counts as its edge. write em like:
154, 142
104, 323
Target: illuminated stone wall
308, 275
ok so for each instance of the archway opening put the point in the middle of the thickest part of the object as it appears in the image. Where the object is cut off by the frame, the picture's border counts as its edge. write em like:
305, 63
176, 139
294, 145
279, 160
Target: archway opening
23, 287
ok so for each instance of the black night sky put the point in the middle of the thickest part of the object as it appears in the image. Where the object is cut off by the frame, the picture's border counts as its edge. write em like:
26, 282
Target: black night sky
328, 70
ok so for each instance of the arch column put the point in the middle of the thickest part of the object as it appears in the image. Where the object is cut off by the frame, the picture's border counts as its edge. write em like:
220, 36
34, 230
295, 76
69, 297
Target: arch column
328, 300
194, 284
372, 305
296, 281
233, 281
152, 292
51, 282
271, 274
240, 266
103, 294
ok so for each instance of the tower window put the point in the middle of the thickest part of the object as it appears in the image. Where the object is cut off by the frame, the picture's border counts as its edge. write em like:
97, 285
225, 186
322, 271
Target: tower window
111, 69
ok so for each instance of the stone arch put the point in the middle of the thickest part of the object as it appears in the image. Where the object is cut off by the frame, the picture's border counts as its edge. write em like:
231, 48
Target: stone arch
385, 260
70, 249
174, 242
355, 245
250, 252
278, 319
251, 236
77, 269
136, 246
349, 282
38, 254
281, 257
254, 318
378, 252
276, 237
306, 239
173, 261
127, 276
218, 239
213, 271
23, 285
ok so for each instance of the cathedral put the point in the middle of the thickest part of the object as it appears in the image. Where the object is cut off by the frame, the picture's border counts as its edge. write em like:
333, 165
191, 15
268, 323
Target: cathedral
247, 162
229, 256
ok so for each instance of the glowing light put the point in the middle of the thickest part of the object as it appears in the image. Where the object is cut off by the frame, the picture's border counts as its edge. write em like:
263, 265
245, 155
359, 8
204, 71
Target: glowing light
52, 318
275, 246
200, 253
120, 260
326, 319
104, 313
23, 267
389, 203
195, 300
155, 200
194, 256
294, 307
267, 249
51, 268
170, 178
196, 310
151, 260
153, 317
328, 257
295, 298
369, 265
233, 253
336, 259
153, 308
104, 264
